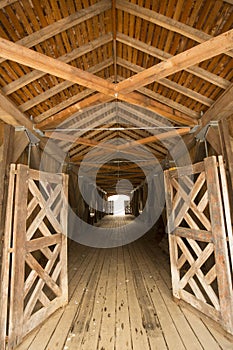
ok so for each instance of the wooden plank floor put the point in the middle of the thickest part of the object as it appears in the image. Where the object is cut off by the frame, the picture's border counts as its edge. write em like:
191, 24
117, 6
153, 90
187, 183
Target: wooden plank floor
120, 299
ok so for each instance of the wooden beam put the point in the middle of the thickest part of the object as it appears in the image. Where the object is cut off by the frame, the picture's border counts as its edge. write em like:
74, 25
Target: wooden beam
135, 167
133, 98
105, 147
21, 120
55, 67
165, 22
170, 103
89, 121
138, 117
169, 84
35, 157
7, 118
222, 108
114, 30
5, 3
49, 65
11, 109
78, 140
156, 107
213, 47
212, 136
111, 177
227, 151
163, 56
158, 137
63, 105
95, 122
100, 154
63, 115
63, 24
61, 86
164, 101
68, 57
229, 1
108, 89
155, 148
21, 141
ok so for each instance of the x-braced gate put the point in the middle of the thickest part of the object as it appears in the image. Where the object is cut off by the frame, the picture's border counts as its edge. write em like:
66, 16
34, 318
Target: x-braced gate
200, 238
34, 271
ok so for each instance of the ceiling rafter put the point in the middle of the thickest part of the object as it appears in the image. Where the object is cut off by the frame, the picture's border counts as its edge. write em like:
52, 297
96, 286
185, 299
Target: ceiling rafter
116, 40
68, 57
92, 120
213, 47
169, 83
63, 24
7, 118
156, 148
60, 117
63, 105
78, 140
222, 108
114, 31
155, 52
133, 98
5, 3
165, 22
196, 54
54, 67
76, 154
61, 86
154, 138
14, 113
170, 103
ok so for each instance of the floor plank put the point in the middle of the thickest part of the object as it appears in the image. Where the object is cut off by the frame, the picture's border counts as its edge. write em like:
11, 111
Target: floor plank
92, 327
120, 299
138, 332
123, 336
108, 317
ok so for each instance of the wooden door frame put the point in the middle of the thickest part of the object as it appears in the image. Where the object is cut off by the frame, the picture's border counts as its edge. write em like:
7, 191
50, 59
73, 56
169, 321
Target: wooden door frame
41, 198
217, 235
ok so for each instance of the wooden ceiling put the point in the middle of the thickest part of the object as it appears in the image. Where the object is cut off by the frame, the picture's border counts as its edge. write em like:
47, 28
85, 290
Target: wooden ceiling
86, 72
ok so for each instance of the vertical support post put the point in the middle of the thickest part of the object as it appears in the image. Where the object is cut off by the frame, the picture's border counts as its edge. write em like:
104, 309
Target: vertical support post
64, 223
227, 210
5, 272
6, 151
227, 152
35, 157
219, 240
175, 274
18, 257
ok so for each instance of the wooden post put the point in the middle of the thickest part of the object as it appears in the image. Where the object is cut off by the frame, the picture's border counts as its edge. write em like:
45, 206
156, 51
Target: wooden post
35, 157
6, 151
6, 258
175, 273
227, 211
220, 242
18, 257
21, 142
227, 152
64, 223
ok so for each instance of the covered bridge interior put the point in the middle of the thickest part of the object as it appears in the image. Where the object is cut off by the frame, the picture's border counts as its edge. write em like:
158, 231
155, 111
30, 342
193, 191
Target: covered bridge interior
126, 97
